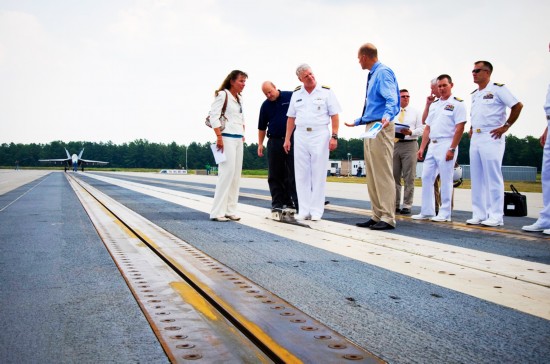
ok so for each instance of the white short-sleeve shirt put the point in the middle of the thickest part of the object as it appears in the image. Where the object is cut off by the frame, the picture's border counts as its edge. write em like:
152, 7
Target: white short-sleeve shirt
489, 106
315, 108
444, 116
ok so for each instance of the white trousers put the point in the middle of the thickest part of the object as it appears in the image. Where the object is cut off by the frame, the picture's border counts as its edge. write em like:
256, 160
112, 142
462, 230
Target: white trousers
544, 218
310, 169
435, 164
486, 156
229, 177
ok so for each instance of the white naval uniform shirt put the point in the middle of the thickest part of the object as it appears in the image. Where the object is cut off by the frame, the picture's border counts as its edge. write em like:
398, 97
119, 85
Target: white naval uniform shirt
315, 108
444, 116
489, 107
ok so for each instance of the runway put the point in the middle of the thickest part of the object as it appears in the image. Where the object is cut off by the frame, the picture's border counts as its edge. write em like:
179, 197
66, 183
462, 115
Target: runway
425, 292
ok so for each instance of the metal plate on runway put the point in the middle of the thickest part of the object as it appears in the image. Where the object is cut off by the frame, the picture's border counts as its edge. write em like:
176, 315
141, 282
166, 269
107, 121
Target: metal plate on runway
283, 332
386, 311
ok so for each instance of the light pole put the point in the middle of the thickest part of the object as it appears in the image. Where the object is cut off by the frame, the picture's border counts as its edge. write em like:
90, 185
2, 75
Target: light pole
186, 157
349, 164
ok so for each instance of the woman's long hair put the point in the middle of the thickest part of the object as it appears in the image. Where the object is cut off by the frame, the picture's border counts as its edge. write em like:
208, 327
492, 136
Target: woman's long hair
232, 76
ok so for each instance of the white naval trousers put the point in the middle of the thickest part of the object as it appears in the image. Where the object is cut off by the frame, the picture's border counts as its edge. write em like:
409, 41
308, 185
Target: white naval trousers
486, 156
435, 164
310, 169
229, 177
544, 217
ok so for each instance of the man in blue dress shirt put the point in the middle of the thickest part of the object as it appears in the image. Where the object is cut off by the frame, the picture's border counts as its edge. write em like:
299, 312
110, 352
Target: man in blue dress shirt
382, 104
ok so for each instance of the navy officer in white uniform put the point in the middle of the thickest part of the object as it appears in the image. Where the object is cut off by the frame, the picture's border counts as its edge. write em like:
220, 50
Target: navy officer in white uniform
313, 116
444, 128
489, 123
543, 222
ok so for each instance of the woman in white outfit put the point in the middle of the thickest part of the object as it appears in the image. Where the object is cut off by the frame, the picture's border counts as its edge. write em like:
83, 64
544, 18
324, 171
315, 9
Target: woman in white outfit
230, 142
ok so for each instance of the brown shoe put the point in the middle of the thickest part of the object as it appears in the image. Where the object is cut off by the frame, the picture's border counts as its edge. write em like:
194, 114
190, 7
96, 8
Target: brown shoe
233, 217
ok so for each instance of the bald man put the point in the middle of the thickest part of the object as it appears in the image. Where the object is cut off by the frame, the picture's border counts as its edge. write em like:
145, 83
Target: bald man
272, 122
382, 104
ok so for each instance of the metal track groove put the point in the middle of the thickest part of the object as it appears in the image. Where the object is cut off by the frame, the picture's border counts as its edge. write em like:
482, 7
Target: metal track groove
245, 321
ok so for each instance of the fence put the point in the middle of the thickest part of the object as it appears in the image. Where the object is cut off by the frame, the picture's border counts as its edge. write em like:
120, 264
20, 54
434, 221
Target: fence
510, 173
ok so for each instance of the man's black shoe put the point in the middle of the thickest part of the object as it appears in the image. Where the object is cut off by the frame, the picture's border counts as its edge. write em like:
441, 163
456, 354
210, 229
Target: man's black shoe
366, 224
397, 210
381, 225
405, 211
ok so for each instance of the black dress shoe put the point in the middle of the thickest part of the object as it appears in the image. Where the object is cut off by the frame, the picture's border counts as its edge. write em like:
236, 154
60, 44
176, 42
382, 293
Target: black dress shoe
397, 210
381, 225
366, 224
405, 211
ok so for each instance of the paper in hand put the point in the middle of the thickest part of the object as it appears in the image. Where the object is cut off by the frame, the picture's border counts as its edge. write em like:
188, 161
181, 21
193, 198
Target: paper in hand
372, 132
219, 156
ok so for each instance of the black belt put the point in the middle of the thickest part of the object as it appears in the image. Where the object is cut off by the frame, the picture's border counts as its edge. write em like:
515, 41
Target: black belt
406, 140
275, 137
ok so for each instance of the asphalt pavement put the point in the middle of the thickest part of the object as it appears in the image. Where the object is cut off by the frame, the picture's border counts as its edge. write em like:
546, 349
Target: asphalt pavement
63, 299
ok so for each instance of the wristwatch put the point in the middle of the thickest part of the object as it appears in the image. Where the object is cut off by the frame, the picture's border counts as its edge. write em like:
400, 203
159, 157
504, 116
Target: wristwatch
452, 149
334, 136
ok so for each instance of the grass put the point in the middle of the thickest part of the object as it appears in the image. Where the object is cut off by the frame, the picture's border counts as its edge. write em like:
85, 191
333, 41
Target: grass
522, 186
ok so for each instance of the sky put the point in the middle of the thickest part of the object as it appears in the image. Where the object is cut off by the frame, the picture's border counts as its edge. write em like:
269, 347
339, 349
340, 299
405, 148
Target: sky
120, 70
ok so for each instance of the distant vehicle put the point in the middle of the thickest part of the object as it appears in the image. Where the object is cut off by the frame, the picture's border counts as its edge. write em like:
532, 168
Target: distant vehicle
334, 167
74, 160
173, 171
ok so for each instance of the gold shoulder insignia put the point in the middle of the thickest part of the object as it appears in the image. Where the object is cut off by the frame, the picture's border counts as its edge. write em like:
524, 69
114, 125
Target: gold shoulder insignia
297, 88
498, 84
458, 99
327, 87
473, 91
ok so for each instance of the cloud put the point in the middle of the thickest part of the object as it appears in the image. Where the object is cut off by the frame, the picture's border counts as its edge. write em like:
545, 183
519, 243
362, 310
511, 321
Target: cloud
125, 70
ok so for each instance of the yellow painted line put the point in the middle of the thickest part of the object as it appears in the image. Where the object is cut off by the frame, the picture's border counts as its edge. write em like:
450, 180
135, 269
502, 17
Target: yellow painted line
268, 325
167, 301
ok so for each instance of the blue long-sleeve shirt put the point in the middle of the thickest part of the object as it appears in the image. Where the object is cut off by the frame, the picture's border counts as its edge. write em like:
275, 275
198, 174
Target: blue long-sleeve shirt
383, 101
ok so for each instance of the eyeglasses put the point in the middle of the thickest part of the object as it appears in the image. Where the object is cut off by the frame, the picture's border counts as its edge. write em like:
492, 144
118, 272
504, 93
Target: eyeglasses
477, 70
407, 96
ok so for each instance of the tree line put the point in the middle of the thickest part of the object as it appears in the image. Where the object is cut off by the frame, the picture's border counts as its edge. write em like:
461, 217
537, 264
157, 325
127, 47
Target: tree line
144, 154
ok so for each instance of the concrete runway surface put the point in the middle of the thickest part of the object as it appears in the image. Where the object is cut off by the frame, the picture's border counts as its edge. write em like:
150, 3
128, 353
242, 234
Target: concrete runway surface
422, 293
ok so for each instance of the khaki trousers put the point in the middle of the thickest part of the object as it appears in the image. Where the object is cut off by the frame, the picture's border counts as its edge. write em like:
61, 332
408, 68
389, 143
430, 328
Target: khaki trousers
437, 193
379, 169
404, 165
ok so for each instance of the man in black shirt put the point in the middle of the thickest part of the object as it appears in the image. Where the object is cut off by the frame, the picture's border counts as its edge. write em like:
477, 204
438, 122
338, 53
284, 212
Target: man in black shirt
272, 122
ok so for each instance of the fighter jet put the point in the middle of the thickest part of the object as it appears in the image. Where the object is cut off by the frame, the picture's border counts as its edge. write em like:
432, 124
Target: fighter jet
74, 160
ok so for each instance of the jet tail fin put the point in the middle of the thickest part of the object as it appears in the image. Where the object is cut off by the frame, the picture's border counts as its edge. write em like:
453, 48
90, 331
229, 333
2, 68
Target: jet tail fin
68, 155
80, 155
